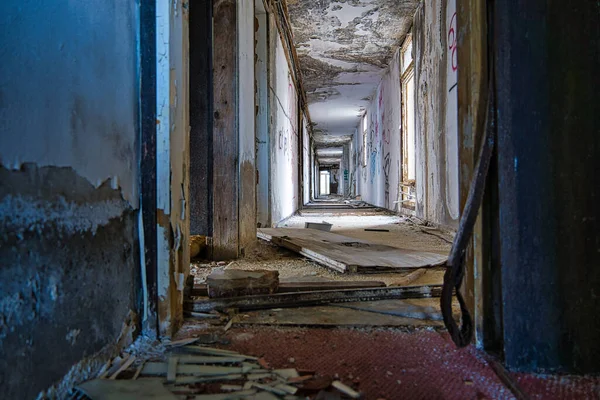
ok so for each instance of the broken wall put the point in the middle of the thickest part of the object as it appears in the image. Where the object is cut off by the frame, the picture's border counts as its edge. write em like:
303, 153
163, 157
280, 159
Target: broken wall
68, 187
283, 131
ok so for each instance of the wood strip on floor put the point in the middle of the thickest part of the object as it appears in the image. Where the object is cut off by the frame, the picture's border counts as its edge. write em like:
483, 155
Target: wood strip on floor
350, 255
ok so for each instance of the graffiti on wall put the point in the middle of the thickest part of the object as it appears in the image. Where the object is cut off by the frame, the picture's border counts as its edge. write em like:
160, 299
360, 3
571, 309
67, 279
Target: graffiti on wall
452, 52
387, 163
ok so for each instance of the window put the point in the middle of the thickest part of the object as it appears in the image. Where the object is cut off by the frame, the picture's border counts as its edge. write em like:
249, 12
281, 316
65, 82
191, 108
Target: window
364, 138
407, 186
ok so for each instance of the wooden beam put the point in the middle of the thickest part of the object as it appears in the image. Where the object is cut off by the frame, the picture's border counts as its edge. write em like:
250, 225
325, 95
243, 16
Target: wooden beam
225, 131
472, 92
201, 290
307, 299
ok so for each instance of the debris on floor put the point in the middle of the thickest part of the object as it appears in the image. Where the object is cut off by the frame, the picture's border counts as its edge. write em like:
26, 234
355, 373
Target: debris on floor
350, 255
306, 299
322, 226
312, 283
195, 371
235, 282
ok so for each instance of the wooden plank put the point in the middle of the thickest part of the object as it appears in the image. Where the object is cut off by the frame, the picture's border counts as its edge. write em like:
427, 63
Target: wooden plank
409, 278
292, 286
332, 316
305, 299
308, 286
162, 369
346, 254
124, 365
472, 77
225, 131
235, 282
172, 369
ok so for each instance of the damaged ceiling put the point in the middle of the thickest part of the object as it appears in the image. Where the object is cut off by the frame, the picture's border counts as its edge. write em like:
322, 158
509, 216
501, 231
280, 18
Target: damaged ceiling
344, 48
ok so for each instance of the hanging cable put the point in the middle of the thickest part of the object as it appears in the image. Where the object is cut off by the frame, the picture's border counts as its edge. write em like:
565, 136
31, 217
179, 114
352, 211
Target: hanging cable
455, 267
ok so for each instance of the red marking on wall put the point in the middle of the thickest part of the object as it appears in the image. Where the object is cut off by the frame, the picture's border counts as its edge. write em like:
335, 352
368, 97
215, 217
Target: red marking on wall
452, 45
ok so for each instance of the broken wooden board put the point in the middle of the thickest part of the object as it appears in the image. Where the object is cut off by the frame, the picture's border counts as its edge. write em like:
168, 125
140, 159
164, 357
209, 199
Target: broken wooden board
306, 299
400, 308
350, 255
235, 282
302, 284
331, 316
310, 284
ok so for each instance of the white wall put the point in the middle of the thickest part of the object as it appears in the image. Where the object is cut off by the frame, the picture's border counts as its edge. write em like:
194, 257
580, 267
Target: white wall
284, 132
437, 170
436, 117
378, 181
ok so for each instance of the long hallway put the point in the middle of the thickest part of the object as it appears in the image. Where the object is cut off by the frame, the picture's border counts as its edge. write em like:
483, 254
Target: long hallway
392, 193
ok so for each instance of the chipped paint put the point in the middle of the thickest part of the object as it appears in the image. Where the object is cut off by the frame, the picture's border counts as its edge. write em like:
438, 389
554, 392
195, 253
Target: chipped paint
25, 214
65, 105
344, 48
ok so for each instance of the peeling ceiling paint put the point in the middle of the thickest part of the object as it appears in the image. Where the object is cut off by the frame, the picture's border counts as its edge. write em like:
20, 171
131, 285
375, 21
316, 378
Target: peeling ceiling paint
344, 48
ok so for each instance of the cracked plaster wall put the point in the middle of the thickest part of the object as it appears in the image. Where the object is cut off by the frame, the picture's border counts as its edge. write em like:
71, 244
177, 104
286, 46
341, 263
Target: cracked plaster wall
344, 49
68, 185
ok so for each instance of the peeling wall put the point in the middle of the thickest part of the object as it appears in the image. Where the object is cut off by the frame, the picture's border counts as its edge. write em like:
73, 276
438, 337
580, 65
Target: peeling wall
436, 124
172, 162
344, 49
284, 131
436, 113
69, 89
378, 180
68, 185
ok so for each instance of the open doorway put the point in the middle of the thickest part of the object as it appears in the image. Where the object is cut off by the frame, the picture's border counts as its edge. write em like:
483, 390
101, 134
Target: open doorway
407, 127
325, 183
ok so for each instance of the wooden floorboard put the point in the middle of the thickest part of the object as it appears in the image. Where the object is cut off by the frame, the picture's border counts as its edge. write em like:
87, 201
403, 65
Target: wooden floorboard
346, 254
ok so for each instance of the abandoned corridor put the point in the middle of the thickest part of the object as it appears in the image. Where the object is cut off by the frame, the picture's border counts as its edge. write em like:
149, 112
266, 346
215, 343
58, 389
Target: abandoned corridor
133, 131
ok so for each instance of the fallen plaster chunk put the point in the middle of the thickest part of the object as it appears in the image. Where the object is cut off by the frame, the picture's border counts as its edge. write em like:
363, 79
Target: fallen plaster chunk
161, 369
188, 380
287, 373
286, 388
347, 390
232, 388
270, 389
259, 377
210, 360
